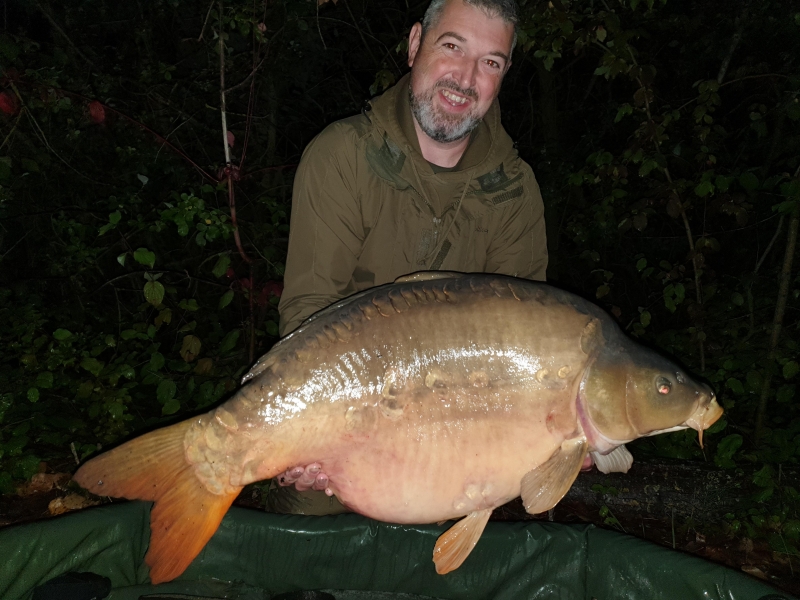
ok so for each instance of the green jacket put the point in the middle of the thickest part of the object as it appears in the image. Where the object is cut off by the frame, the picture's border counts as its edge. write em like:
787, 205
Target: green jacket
368, 208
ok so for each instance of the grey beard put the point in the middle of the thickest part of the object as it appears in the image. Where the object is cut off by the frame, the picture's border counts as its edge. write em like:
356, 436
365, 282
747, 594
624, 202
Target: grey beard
440, 128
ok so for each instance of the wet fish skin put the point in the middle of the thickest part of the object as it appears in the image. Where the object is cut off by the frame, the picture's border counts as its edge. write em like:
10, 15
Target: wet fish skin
426, 400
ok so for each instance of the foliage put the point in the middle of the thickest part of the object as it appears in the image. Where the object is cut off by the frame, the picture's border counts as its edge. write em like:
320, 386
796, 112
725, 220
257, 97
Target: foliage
665, 136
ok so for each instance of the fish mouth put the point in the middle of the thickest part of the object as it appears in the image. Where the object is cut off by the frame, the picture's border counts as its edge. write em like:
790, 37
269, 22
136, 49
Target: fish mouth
705, 416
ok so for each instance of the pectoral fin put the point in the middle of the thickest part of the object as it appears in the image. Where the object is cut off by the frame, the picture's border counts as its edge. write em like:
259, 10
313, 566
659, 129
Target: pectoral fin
619, 460
455, 544
544, 486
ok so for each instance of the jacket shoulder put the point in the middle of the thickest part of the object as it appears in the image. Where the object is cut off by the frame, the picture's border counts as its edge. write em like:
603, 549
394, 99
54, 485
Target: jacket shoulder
341, 135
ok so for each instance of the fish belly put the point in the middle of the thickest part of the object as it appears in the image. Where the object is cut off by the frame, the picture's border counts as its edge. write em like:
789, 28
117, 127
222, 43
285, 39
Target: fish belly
429, 466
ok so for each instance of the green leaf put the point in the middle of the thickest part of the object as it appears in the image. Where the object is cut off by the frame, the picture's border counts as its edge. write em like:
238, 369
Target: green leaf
601, 33
92, 365
737, 299
154, 292
763, 495
226, 299
748, 181
229, 341
704, 188
764, 477
115, 217
785, 394
190, 348
222, 266
6, 483
26, 466
121, 258
128, 334
171, 407
190, 304
722, 183
272, 328
644, 318
33, 394
61, 334
790, 369
726, 449
736, 386
144, 257
793, 111
166, 391
641, 264
156, 361
44, 380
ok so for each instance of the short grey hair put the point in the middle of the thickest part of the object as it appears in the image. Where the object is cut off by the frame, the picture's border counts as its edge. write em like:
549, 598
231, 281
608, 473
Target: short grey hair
505, 9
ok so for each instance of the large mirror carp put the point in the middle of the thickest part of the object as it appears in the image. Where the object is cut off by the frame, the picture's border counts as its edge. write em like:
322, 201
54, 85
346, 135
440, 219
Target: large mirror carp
437, 397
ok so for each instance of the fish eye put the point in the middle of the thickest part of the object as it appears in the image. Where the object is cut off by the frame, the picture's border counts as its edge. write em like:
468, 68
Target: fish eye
680, 378
663, 385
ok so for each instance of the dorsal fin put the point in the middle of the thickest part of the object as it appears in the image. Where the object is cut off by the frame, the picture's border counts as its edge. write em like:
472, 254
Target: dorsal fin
427, 276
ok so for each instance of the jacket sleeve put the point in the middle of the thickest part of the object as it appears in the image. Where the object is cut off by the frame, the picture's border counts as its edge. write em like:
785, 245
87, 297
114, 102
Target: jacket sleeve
519, 243
326, 229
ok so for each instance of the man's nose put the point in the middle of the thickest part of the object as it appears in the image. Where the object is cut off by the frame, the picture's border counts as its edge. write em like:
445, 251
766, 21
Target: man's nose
466, 74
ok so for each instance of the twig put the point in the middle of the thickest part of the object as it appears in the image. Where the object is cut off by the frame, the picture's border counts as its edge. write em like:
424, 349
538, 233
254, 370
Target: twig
138, 274
769, 246
319, 29
222, 91
2, 256
208, 14
139, 124
777, 320
63, 34
673, 528
74, 453
686, 225
737, 37
360, 33
14, 128
230, 171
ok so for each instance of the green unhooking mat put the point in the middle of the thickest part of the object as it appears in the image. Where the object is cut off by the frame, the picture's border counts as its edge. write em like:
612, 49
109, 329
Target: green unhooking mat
260, 556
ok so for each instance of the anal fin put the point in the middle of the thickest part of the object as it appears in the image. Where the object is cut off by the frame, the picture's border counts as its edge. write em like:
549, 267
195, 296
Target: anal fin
154, 467
544, 486
455, 544
619, 460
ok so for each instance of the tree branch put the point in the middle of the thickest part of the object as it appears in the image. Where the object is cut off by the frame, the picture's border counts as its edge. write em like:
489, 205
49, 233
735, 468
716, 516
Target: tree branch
737, 37
63, 34
777, 320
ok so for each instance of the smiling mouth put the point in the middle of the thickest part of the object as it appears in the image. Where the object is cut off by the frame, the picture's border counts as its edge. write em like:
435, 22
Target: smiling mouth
454, 98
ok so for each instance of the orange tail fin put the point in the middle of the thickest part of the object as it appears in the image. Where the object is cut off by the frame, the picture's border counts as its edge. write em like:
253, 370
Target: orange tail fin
154, 467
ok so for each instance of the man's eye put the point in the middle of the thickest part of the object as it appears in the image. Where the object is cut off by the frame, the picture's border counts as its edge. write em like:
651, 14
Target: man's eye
493, 64
450, 46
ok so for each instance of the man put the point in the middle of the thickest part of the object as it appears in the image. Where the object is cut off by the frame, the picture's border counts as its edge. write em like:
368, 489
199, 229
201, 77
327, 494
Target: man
425, 179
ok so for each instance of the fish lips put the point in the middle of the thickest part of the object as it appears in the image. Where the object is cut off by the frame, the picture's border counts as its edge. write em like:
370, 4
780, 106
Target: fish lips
705, 416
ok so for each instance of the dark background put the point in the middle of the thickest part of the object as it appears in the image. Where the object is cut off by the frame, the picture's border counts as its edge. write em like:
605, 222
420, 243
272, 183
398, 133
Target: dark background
665, 137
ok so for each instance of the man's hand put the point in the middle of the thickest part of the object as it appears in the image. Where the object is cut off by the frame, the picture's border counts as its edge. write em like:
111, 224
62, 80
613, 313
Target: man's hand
305, 478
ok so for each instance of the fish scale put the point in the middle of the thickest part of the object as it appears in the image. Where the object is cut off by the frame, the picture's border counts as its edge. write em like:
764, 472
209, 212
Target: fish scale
440, 396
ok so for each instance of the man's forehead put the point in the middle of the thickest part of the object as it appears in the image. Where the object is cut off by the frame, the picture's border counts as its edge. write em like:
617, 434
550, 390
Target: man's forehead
463, 21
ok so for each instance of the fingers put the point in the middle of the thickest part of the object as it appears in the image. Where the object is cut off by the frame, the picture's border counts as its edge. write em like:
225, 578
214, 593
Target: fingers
290, 476
310, 477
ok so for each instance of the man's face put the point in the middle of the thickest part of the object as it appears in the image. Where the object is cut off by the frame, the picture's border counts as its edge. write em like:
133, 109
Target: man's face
457, 69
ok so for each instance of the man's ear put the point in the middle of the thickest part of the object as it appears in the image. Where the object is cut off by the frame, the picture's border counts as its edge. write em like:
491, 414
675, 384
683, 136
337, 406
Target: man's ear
414, 41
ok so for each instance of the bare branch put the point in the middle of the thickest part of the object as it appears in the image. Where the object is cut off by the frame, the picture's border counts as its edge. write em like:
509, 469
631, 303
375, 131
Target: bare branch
63, 34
